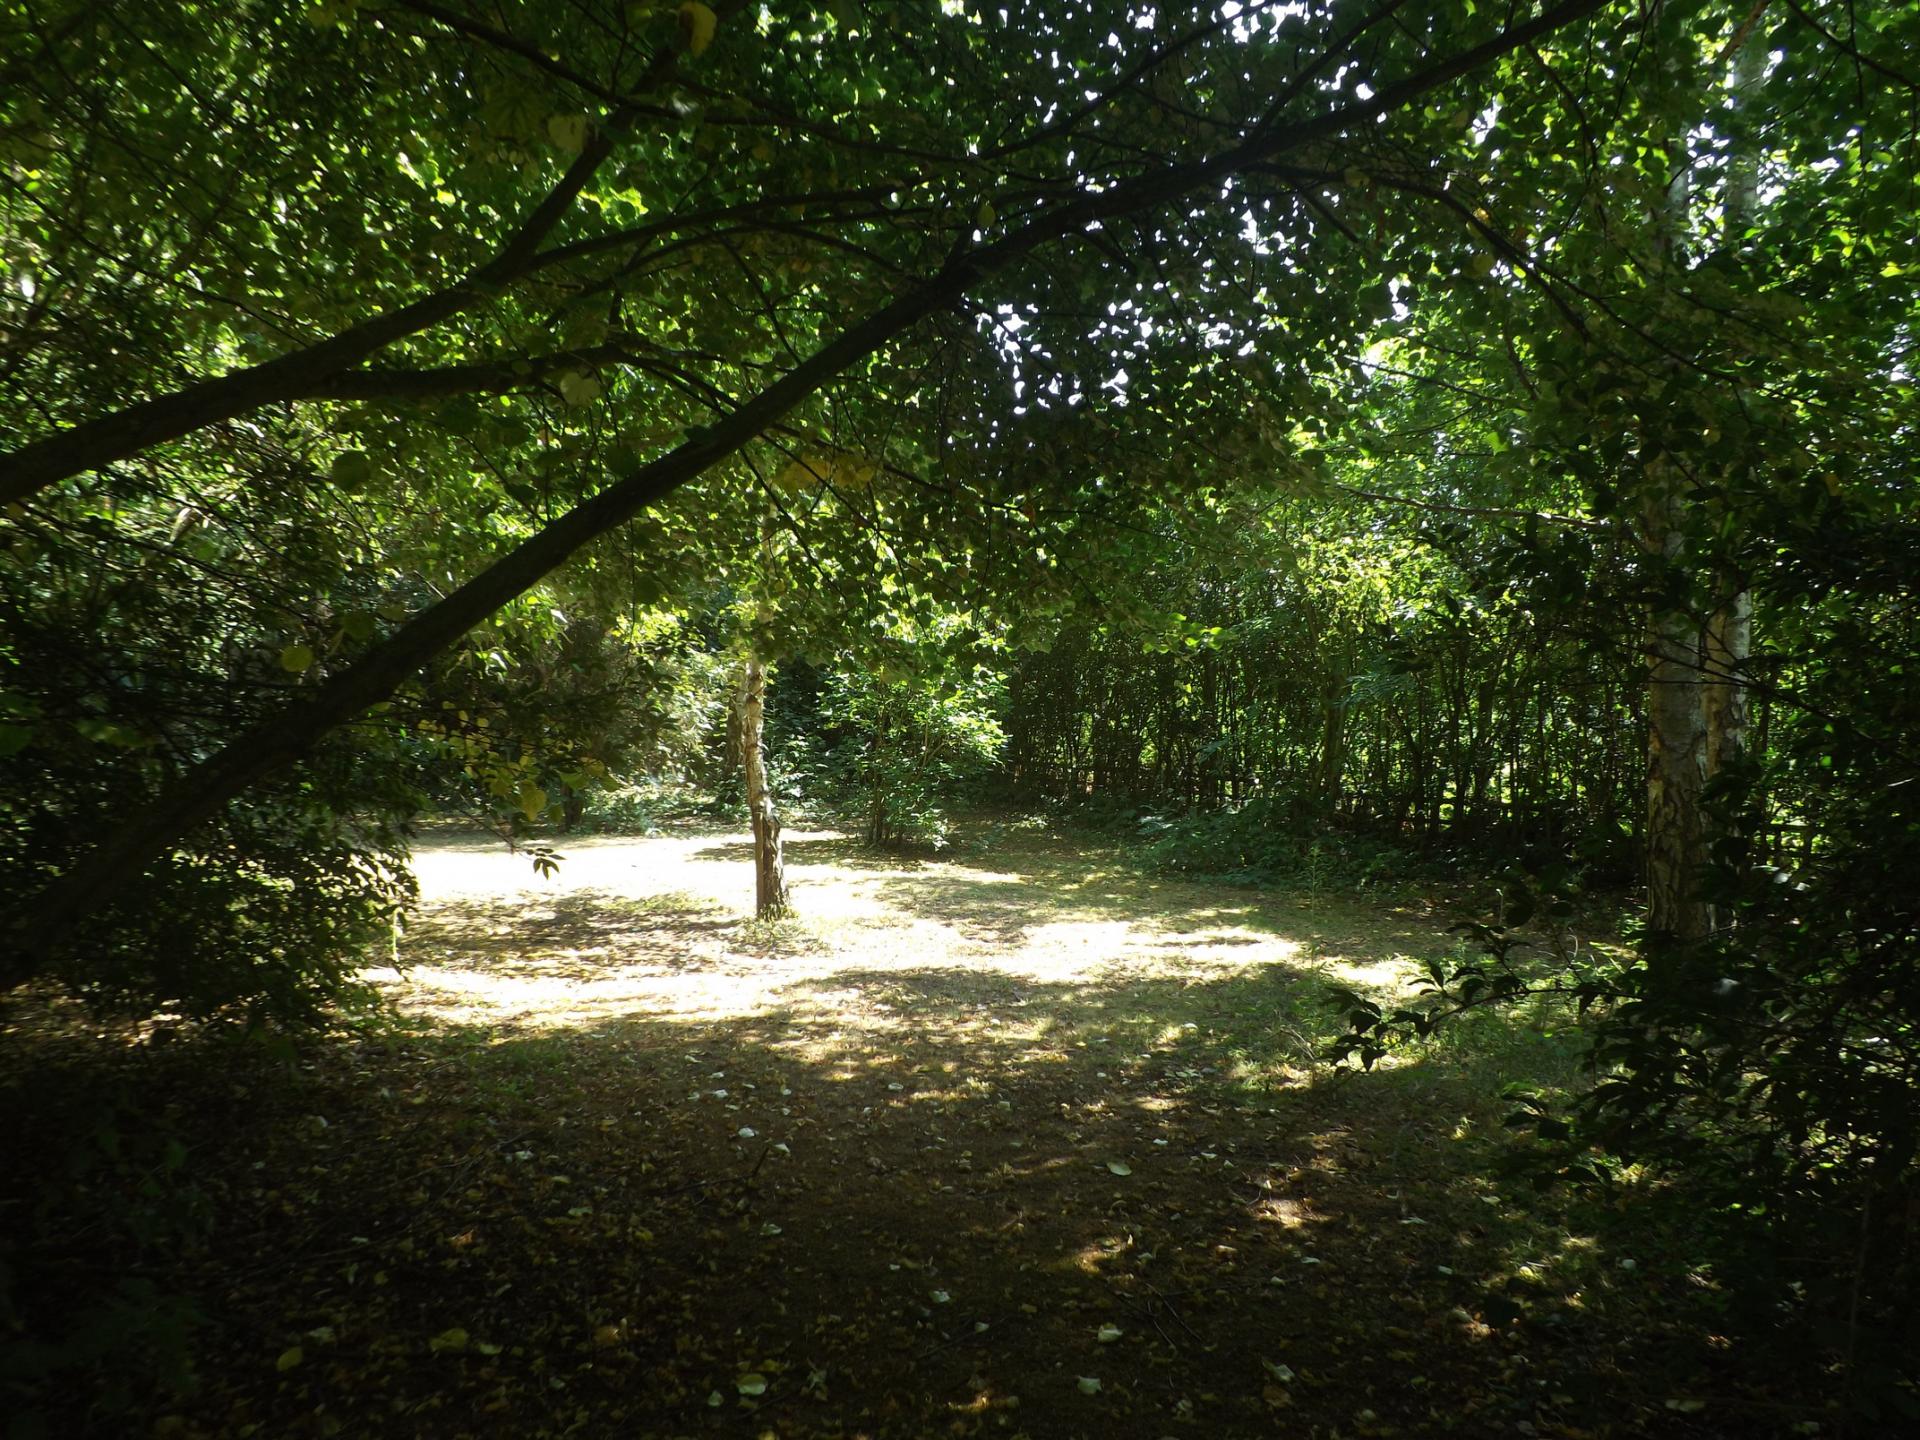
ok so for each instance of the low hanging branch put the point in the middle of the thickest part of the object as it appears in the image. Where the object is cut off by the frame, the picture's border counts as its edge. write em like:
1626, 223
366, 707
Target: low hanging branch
67, 453
303, 374
38, 923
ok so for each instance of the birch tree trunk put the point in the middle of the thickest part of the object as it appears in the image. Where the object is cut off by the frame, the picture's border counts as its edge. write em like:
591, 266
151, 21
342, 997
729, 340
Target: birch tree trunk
1728, 643
1676, 740
1729, 632
1676, 718
769, 857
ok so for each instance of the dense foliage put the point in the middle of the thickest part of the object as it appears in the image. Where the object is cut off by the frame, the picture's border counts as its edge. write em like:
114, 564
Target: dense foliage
1465, 428
1365, 681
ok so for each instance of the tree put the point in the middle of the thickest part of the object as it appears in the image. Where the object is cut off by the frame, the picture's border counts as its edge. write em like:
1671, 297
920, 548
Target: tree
1725, 377
914, 716
1282, 111
770, 898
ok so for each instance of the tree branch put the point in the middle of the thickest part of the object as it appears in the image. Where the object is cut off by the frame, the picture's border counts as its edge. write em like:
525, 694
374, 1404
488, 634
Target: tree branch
37, 923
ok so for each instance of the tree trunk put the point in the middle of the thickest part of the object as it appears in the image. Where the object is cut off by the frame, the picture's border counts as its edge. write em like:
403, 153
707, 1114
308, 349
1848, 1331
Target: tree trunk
1676, 851
770, 900
1676, 744
1727, 643
1729, 633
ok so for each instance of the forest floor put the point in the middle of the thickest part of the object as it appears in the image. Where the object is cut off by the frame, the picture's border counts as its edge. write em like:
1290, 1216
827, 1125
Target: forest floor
1025, 1141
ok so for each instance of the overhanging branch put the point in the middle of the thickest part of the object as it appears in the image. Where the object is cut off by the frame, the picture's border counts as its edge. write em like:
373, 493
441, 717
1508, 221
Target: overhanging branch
36, 924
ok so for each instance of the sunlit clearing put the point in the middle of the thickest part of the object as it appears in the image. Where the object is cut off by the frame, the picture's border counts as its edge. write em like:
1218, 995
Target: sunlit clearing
662, 928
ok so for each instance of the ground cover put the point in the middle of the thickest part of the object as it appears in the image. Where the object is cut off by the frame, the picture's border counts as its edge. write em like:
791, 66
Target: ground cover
1020, 1141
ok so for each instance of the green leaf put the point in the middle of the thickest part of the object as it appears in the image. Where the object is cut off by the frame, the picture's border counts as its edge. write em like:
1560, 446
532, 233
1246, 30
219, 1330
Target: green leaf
352, 471
697, 26
568, 132
579, 387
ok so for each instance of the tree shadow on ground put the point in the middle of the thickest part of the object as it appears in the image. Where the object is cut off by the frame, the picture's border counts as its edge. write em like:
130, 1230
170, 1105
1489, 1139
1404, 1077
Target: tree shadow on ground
571, 935
841, 851
959, 1206
1019, 1191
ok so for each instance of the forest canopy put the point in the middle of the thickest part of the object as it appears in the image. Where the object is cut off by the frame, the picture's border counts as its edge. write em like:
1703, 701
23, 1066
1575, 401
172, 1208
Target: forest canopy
1485, 431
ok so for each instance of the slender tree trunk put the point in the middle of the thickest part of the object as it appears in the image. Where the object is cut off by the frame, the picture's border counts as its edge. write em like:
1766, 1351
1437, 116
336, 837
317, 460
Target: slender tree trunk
1332, 767
1729, 632
1728, 642
770, 900
1676, 851
1676, 744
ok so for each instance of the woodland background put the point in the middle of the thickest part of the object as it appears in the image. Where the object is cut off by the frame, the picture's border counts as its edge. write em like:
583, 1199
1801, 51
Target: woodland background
1373, 442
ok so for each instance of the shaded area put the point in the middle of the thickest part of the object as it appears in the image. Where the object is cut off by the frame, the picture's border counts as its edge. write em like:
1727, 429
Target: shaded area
839, 851
568, 935
912, 1188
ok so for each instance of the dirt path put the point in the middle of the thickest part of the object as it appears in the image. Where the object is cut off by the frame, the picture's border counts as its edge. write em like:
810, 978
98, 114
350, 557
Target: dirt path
1019, 1143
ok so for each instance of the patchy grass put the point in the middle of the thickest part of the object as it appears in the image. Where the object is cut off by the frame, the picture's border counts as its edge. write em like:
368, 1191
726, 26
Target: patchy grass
1021, 1142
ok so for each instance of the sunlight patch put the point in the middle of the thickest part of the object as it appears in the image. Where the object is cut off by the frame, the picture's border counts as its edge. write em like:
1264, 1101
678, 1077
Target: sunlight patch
660, 929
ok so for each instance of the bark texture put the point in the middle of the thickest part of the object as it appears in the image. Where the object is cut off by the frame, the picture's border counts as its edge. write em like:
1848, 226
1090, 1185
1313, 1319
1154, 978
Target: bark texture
1676, 743
770, 899
1726, 646
1728, 642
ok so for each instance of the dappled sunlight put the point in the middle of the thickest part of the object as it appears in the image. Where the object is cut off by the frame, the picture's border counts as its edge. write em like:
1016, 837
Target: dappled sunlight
660, 927
1385, 975
954, 1131
1000, 1101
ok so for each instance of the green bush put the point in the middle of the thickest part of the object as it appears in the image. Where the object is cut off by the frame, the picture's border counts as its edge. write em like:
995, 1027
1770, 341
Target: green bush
264, 915
631, 809
1271, 841
909, 747
893, 747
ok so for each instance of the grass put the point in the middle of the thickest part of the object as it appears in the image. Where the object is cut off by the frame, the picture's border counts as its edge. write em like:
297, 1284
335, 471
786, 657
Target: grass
961, 1138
